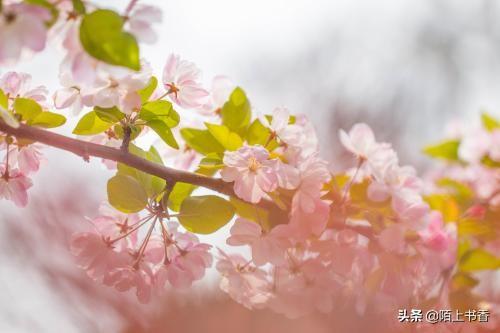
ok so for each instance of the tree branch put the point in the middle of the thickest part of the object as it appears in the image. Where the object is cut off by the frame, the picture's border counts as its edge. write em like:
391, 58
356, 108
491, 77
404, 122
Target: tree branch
86, 149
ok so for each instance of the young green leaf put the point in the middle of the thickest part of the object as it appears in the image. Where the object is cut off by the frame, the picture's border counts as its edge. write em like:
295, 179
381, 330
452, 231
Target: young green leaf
91, 124
229, 140
135, 130
4, 100
236, 113
447, 150
102, 36
78, 6
205, 214
152, 184
250, 212
201, 141
211, 161
489, 123
160, 110
109, 115
27, 108
478, 259
257, 133
181, 191
126, 194
148, 90
164, 132
48, 120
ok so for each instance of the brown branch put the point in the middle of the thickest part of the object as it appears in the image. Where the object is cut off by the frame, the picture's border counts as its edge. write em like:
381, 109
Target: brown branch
171, 176
86, 149
127, 132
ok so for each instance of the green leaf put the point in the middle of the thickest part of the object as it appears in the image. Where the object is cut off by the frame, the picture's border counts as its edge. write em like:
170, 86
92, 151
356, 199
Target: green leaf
489, 123
211, 162
109, 115
205, 214
447, 150
91, 124
154, 155
250, 212
148, 90
164, 132
229, 140
201, 141
490, 163
236, 113
257, 133
463, 281
4, 100
102, 36
462, 191
48, 120
181, 191
135, 130
126, 194
27, 108
152, 184
446, 204
161, 111
478, 259
78, 6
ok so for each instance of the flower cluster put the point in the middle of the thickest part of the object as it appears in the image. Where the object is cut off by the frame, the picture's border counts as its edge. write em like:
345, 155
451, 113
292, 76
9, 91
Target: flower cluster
313, 258
22, 157
374, 234
117, 253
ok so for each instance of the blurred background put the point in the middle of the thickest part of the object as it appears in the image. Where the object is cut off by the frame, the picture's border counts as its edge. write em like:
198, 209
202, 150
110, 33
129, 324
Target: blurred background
405, 67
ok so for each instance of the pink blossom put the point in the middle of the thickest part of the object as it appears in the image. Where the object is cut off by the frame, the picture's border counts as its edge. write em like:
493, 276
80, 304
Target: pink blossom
288, 176
474, 146
140, 22
290, 134
392, 238
245, 284
313, 222
187, 259
181, 79
403, 186
119, 86
435, 236
252, 172
19, 85
22, 29
266, 247
314, 174
301, 287
28, 157
96, 255
133, 275
112, 224
69, 98
14, 186
494, 151
409, 206
360, 141
373, 158
438, 243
